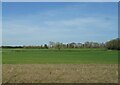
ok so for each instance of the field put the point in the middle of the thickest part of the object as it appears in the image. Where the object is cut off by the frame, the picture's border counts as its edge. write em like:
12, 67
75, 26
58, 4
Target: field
64, 66
66, 56
60, 73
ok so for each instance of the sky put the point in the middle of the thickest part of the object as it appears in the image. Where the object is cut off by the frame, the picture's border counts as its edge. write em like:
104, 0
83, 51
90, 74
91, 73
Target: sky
0, 24
60, 0
36, 23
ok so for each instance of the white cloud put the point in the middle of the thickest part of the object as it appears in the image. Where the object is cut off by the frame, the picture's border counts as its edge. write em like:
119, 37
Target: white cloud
49, 26
59, 30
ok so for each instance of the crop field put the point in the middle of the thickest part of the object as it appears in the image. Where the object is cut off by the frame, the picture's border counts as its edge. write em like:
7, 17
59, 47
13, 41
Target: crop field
60, 66
60, 73
54, 56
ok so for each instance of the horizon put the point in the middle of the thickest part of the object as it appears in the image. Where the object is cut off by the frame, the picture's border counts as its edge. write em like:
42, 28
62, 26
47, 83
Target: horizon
34, 23
60, 42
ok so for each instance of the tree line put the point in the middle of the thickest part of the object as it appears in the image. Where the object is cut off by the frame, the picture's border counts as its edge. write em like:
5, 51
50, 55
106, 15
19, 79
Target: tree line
112, 44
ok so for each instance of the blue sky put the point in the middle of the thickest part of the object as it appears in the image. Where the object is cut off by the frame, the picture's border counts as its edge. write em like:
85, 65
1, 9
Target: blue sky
0, 24
38, 23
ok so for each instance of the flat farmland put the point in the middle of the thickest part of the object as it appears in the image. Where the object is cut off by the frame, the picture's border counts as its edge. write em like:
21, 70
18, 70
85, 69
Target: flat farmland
60, 66
60, 73
63, 56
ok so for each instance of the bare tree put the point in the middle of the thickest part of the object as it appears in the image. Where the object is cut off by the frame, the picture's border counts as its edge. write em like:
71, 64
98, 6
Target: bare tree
51, 44
58, 45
